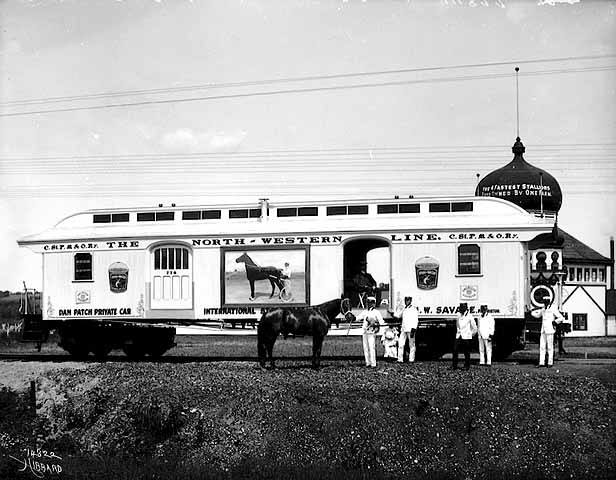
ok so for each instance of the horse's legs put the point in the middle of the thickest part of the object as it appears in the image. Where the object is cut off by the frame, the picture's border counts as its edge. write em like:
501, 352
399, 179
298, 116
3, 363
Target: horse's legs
317, 343
261, 350
252, 289
273, 286
270, 348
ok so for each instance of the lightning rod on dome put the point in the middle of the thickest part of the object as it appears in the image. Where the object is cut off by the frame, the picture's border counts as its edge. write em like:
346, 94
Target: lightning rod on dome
517, 102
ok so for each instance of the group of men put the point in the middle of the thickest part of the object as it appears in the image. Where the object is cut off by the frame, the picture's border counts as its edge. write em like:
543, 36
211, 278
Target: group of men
467, 326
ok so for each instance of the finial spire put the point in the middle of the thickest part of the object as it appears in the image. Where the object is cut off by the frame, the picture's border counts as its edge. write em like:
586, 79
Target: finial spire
517, 101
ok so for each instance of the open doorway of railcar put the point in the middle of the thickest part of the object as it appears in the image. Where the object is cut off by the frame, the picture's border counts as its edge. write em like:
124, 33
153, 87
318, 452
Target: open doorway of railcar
364, 259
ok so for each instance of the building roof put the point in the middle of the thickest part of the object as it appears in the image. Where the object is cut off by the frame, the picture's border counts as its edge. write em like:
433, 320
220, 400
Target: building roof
576, 252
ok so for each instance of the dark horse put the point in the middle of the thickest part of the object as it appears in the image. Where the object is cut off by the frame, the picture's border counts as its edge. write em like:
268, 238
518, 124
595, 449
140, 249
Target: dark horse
254, 272
313, 321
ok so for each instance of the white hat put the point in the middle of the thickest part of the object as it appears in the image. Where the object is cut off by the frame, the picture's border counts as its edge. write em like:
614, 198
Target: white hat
371, 299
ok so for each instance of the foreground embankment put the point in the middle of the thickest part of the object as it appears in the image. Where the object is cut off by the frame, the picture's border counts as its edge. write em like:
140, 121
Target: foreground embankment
229, 419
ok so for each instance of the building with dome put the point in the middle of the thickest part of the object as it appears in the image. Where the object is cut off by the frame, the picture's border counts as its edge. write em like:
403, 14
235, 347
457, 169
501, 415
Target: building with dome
561, 267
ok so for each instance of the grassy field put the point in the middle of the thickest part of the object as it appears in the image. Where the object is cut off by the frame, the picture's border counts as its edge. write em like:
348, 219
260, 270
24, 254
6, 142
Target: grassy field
229, 420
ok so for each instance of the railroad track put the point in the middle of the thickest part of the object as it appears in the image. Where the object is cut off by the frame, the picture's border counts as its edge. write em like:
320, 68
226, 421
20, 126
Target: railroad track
63, 358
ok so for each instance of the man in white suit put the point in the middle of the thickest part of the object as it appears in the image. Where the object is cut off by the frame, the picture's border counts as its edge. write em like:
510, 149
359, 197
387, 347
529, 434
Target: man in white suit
549, 316
485, 334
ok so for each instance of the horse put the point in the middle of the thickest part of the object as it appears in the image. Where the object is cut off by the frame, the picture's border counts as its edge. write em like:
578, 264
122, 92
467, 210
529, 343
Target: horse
254, 272
313, 321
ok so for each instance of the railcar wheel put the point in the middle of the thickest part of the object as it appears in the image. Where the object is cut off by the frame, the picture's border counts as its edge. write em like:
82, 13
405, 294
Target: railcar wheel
101, 351
78, 352
134, 351
157, 351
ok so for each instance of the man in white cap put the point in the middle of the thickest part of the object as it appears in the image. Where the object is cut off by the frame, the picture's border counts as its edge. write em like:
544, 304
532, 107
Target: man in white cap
549, 316
485, 334
371, 323
410, 321
465, 329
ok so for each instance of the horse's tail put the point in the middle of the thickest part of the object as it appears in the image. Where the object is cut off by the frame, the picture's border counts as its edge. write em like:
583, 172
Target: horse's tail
261, 348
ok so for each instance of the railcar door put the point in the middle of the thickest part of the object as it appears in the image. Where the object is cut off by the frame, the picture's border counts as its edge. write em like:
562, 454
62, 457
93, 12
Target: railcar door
171, 277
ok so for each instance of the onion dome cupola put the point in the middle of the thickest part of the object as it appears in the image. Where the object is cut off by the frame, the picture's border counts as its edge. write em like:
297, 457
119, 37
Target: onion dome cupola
519, 182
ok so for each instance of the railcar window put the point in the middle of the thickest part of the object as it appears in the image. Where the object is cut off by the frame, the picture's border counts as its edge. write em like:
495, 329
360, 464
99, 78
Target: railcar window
469, 260
387, 208
255, 212
101, 218
145, 217
341, 210
308, 211
440, 207
409, 208
580, 321
170, 258
238, 213
120, 217
165, 216
462, 207
210, 214
191, 215
358, 209
286, 212
83, 266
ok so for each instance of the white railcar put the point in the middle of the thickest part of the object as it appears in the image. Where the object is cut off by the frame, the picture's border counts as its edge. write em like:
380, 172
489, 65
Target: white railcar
124, 277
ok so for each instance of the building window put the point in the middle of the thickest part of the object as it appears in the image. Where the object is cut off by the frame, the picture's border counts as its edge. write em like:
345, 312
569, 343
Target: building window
83, 266
571, 276
587, 274
469, 260
602, 275
593, 275
579, 274
580, 321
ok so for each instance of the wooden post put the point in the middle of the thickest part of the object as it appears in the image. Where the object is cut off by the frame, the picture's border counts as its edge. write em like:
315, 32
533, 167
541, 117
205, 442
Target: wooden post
33, 395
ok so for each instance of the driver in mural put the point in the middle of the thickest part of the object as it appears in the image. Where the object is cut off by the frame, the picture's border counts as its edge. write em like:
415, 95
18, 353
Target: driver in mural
365, 284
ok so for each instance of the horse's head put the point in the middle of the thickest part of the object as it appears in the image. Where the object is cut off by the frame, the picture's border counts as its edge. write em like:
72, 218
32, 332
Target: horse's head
243, 258
345, 309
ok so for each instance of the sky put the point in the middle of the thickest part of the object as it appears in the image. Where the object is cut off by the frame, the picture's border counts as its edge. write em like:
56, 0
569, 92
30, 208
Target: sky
109, 103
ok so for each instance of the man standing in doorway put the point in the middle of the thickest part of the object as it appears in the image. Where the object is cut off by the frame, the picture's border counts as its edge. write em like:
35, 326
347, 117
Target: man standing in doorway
410, 321
364, 283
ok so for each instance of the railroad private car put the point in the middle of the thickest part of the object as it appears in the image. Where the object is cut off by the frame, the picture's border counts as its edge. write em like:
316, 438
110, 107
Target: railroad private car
126, 278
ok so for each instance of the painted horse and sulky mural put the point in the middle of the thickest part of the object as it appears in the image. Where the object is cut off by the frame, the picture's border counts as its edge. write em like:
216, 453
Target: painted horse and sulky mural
254, 272
265, 276
315, 321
